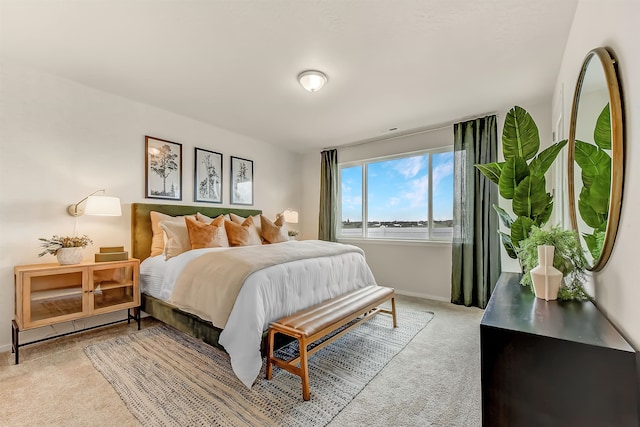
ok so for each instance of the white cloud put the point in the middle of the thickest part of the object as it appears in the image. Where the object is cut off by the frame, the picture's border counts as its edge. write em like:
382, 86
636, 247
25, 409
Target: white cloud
393, 201
417, 195
440, 172
352, 201
411, 166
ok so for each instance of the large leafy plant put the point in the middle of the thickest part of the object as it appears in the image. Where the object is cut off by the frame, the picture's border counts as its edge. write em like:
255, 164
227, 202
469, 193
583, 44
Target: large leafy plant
595, 163
520, 178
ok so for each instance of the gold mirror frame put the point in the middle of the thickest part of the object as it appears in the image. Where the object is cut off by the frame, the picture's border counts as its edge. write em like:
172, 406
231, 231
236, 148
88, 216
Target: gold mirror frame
608, 63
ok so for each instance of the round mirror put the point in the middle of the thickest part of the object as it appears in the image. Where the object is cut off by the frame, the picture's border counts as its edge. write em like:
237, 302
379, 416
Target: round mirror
595, 168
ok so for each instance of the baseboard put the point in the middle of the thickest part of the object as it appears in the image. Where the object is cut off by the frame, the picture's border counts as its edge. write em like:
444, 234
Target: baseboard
421, 295
6, 347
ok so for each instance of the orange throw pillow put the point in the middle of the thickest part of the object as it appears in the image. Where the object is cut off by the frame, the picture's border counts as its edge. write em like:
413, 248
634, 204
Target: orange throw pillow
274, 232
237, 219
203, 235
244, 234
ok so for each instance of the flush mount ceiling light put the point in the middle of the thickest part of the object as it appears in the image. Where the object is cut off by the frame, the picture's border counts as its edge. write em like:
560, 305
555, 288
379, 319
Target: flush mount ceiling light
312, 80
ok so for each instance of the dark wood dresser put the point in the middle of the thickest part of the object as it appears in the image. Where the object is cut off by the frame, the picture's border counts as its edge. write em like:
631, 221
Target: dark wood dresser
554, 363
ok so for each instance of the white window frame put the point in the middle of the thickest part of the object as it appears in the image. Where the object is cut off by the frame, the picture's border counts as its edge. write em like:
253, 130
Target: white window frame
365, 215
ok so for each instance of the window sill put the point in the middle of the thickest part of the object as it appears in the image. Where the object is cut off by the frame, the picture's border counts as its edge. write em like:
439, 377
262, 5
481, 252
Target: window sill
393, 242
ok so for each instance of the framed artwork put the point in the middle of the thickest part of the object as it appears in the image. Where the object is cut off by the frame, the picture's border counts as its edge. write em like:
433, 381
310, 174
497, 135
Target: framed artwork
163, 169
207, 176
241, 181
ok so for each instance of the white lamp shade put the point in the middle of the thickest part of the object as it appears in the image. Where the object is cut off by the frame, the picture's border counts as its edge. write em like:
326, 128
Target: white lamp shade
291, 217
312, 80
103, 206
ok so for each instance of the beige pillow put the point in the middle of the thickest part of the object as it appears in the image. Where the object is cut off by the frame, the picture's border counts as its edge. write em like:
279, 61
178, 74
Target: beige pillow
202, 235
274, 232
244, 234
157, 235
203, 218
177, 238
256, 221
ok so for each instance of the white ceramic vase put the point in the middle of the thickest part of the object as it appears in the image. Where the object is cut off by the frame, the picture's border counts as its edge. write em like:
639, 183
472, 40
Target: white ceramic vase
68, 256
546, 278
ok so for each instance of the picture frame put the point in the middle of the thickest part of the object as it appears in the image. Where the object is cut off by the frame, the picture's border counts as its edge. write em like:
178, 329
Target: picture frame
163, 169
207, 172
241, 181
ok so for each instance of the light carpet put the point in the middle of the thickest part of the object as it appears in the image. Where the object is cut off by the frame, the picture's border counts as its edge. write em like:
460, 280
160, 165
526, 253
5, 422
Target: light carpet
168, 378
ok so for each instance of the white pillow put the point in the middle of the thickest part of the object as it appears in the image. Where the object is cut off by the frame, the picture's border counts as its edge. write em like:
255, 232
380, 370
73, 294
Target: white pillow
157, 237
206, 219
177, 240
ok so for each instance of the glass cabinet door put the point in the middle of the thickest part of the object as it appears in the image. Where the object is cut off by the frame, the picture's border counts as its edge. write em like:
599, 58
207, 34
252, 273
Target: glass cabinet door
111, 286
53, 296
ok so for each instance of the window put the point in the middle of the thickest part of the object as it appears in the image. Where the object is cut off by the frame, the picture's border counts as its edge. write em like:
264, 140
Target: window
406, 197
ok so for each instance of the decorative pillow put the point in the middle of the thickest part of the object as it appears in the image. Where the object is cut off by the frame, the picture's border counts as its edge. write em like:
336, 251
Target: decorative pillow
239, 220
202, 235
177, 238
203, 218
157, 237
244, 234
274, 232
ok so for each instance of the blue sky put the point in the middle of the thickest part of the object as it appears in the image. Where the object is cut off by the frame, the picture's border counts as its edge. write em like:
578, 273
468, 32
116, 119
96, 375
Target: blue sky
398, 189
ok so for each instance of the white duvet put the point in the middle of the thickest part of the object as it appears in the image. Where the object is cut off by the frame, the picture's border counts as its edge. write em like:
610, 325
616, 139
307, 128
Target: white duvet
266, 295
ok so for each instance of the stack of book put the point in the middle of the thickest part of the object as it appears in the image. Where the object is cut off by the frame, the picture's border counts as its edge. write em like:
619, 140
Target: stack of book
112, 253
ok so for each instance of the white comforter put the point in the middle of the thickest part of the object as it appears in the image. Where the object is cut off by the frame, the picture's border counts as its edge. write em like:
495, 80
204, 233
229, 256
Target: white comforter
266, 295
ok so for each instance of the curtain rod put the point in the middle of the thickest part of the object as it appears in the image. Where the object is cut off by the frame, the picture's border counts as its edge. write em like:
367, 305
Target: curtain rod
416, 131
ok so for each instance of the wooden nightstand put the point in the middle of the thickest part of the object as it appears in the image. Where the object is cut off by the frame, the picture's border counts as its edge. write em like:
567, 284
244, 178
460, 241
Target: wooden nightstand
47, 294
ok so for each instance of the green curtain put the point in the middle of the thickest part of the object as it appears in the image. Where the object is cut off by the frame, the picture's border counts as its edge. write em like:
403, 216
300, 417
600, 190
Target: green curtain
328, 196
476, 244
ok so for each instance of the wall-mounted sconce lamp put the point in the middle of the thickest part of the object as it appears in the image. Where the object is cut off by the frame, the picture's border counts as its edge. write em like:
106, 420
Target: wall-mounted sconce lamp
96, 205
290, 216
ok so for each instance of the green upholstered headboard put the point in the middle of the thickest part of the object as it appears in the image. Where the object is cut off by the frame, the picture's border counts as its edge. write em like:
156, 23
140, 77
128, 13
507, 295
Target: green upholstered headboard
141, 221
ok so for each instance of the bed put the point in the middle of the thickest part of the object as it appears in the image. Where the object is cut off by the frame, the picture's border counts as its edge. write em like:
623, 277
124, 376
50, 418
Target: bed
271, 292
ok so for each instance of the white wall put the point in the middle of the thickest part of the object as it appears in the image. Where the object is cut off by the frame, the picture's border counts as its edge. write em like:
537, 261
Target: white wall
613, 24
61, 141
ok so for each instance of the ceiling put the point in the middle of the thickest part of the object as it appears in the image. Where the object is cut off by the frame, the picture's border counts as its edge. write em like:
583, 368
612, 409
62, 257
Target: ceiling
233, 63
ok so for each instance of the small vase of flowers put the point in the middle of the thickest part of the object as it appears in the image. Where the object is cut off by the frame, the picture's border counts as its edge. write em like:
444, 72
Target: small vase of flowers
68, 249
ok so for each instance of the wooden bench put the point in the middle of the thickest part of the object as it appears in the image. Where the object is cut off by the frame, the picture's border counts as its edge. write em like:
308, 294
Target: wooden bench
311, 324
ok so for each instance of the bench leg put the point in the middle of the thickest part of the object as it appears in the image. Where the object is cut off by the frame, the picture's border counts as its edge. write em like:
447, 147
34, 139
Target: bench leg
270, 339
393, 312
304, 368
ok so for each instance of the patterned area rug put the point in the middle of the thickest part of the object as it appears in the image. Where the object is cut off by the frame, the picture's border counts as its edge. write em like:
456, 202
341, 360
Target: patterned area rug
168, 378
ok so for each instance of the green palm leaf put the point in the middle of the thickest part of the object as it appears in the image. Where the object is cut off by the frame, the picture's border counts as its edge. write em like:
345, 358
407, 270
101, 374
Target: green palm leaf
602, 131
504, 216
513, 172
530, 198
541, 164
520, 135
546, 214
599, 193
520, 230
506, 242
588, 214
592, 161
491, 170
